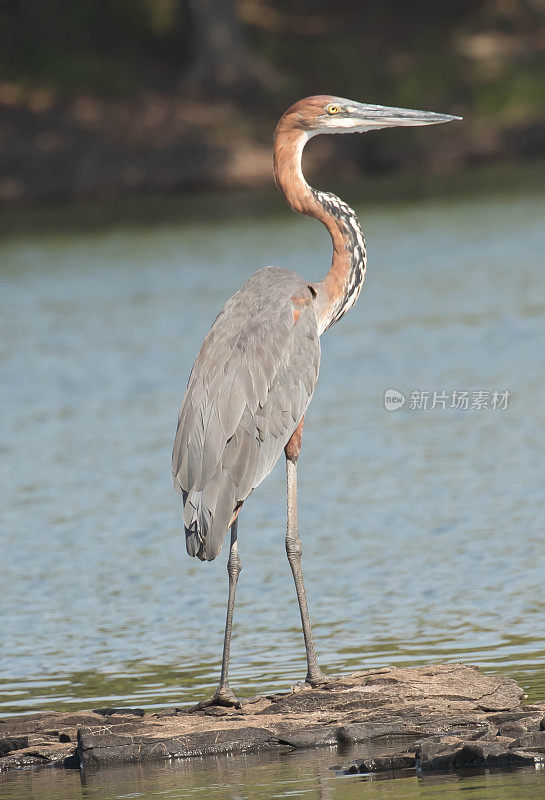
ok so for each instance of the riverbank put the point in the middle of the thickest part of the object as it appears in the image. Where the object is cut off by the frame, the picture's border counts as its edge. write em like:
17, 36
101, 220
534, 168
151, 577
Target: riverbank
266, 202
89, 147
435, 718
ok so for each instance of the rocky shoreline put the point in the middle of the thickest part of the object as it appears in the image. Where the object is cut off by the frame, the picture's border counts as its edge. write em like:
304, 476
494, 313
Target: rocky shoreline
442, 717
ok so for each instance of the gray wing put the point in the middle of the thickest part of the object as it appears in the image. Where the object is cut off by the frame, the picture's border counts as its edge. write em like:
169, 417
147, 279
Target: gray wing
249, 388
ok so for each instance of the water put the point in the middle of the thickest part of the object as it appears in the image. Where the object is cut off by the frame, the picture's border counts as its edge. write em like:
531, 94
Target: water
312, 776
422, 530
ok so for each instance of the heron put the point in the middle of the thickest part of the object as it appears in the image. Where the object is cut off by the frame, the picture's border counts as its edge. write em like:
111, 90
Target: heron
257, 368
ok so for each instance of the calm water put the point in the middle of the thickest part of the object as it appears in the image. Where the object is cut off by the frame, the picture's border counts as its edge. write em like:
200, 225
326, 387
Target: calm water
422, 529
313, 776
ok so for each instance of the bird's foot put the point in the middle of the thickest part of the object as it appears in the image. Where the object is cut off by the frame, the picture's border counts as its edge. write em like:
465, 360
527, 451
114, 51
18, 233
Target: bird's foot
318, 678
313, 680
223, 696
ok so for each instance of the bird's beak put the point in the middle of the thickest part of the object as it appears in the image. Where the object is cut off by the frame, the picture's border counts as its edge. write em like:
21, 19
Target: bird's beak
367, 117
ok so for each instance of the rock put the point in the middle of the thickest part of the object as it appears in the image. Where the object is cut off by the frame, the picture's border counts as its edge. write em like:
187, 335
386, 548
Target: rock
453, 711
412, 727
12, 743
217, 711
511, 729
531, 741
109, 712
527, 718
369, 731
447, 755
39, 756
315, 736
302, 701
99, 749
390, 763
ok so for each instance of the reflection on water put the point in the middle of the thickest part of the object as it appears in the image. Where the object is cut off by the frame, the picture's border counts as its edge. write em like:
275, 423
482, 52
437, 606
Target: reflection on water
423, 530
313, 775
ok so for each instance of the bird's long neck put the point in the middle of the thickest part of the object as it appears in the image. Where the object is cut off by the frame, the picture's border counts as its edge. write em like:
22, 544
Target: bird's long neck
340, 288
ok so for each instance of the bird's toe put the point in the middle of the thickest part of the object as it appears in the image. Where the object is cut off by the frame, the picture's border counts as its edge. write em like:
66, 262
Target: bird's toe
223, 696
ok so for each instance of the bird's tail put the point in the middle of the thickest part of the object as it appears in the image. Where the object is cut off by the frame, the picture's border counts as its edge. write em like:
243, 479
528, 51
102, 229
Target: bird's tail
193, 543
207, 516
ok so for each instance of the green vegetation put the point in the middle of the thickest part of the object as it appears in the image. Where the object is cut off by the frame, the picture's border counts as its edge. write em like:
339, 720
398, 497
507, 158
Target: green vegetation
485, 54
132, 80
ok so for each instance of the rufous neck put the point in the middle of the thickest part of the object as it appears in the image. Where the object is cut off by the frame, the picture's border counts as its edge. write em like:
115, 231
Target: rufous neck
339, 289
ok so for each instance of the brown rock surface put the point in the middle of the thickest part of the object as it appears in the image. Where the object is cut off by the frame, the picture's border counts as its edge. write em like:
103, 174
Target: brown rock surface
424, 710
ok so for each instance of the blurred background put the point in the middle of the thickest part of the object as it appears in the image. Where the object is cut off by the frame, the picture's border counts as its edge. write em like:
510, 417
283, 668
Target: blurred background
135, 177
110, 98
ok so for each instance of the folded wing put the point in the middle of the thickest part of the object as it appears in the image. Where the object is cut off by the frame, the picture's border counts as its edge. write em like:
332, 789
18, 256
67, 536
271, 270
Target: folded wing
249, 388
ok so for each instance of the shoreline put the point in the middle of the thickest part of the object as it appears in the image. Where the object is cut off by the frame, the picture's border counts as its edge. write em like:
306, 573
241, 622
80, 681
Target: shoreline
214, 205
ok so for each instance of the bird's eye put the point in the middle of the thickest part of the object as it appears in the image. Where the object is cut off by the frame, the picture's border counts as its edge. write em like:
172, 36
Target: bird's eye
332, 109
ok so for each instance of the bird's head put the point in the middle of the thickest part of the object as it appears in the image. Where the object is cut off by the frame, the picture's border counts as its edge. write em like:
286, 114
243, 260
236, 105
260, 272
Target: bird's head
327, 114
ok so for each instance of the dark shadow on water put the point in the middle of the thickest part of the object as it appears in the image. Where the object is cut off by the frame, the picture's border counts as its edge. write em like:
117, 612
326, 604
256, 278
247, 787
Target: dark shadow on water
242, 204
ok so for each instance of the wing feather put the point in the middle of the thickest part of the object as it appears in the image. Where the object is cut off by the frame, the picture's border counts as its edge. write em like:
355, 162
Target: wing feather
248, 390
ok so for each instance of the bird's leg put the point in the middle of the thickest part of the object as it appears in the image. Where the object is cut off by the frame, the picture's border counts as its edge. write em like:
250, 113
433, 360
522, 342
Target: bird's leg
224, 695
294, 549
233, 568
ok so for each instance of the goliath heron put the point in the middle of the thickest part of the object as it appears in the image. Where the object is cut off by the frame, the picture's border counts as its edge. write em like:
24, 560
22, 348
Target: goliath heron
257, 368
